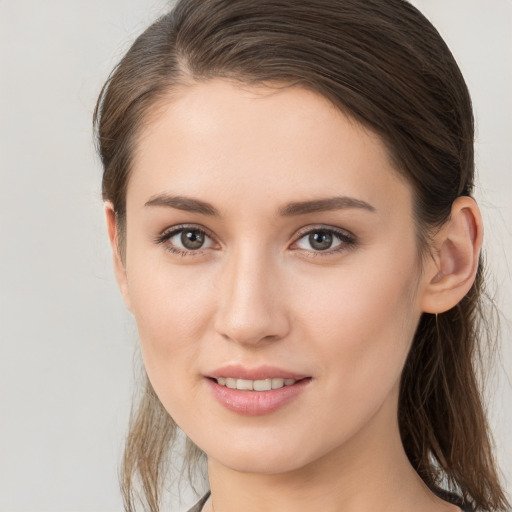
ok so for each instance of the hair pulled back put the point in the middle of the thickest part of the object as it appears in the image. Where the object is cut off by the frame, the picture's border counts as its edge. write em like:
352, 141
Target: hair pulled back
384, 64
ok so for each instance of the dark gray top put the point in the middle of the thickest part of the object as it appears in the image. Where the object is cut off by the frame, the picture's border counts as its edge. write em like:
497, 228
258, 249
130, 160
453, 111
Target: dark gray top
454, 499
199, 505
445, 495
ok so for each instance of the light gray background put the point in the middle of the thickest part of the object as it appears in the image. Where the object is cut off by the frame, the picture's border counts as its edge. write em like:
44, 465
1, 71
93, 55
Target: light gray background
66, 342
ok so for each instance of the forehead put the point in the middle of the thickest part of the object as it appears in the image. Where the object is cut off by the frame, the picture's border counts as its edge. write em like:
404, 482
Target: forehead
251, 146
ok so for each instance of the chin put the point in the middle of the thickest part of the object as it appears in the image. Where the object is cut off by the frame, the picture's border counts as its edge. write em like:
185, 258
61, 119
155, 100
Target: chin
262, 457
261, 465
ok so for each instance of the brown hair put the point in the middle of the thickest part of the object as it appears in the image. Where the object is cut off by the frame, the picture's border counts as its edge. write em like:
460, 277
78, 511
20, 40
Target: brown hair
385, 65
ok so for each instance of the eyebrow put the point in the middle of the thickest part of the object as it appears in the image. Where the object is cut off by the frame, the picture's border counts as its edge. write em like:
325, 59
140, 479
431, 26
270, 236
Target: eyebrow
190, 204
323, 205
187, 204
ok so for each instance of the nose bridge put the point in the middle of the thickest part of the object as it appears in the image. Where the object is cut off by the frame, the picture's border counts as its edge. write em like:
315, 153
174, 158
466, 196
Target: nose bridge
251, 306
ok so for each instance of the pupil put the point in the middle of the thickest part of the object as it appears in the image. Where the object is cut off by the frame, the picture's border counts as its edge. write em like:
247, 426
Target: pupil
320, 240
192, 239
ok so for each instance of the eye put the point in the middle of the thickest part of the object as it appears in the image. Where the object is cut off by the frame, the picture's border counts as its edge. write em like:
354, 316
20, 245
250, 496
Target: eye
185, 240
327, 240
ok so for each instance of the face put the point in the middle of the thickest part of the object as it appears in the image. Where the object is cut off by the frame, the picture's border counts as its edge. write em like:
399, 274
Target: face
270, 248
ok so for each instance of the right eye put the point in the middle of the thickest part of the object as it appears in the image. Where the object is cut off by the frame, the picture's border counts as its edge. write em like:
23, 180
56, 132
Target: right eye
185, 240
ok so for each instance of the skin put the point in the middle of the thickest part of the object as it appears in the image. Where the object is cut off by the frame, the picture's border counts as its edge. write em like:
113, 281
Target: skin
259, 293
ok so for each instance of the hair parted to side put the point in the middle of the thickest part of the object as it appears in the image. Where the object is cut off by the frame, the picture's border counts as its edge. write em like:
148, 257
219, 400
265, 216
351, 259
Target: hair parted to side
384, 64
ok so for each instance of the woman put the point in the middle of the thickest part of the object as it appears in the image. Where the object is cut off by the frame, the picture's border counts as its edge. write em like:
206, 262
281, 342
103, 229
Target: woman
288, 197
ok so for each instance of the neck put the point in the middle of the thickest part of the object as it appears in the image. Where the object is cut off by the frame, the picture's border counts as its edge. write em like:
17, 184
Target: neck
367, 473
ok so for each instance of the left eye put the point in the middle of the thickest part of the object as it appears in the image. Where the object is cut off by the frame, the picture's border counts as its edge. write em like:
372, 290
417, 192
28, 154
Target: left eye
322, 240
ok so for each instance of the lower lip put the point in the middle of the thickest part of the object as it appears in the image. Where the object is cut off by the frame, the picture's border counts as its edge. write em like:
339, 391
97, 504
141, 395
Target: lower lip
256, 403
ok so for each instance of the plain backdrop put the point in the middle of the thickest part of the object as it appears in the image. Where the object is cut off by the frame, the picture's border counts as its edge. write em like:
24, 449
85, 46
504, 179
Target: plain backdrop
67, 344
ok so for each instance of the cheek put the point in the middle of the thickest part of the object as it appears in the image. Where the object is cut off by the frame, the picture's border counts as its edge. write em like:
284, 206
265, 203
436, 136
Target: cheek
170, 304
363, 321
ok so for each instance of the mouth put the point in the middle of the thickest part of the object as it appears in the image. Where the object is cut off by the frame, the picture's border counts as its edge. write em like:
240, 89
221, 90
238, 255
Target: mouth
256, 391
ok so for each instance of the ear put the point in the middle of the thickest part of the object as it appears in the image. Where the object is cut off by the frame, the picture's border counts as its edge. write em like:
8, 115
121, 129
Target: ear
119, 264
451, 271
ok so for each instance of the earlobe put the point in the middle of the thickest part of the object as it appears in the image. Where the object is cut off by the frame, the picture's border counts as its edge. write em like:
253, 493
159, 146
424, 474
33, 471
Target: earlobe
119, 264
451, 273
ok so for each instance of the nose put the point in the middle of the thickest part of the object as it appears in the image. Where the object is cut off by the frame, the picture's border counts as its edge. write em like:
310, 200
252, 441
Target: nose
252, 302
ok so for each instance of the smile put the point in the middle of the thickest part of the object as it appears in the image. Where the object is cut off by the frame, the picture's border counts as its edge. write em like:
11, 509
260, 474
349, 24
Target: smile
256, 397
255, 385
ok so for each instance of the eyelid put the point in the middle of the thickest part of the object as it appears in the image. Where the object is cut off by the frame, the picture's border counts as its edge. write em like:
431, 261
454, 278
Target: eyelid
323, 227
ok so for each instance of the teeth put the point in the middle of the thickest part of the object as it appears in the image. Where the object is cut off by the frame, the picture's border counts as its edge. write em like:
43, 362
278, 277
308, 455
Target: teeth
231, 383
245, 385
255, 385
277, 383
262, 385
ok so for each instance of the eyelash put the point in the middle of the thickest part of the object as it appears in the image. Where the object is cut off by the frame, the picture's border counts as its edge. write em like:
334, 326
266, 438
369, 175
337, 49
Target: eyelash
347, 240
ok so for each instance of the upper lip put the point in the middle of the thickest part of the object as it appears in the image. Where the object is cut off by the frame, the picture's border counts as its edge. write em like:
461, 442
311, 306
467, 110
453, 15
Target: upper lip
258, 373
